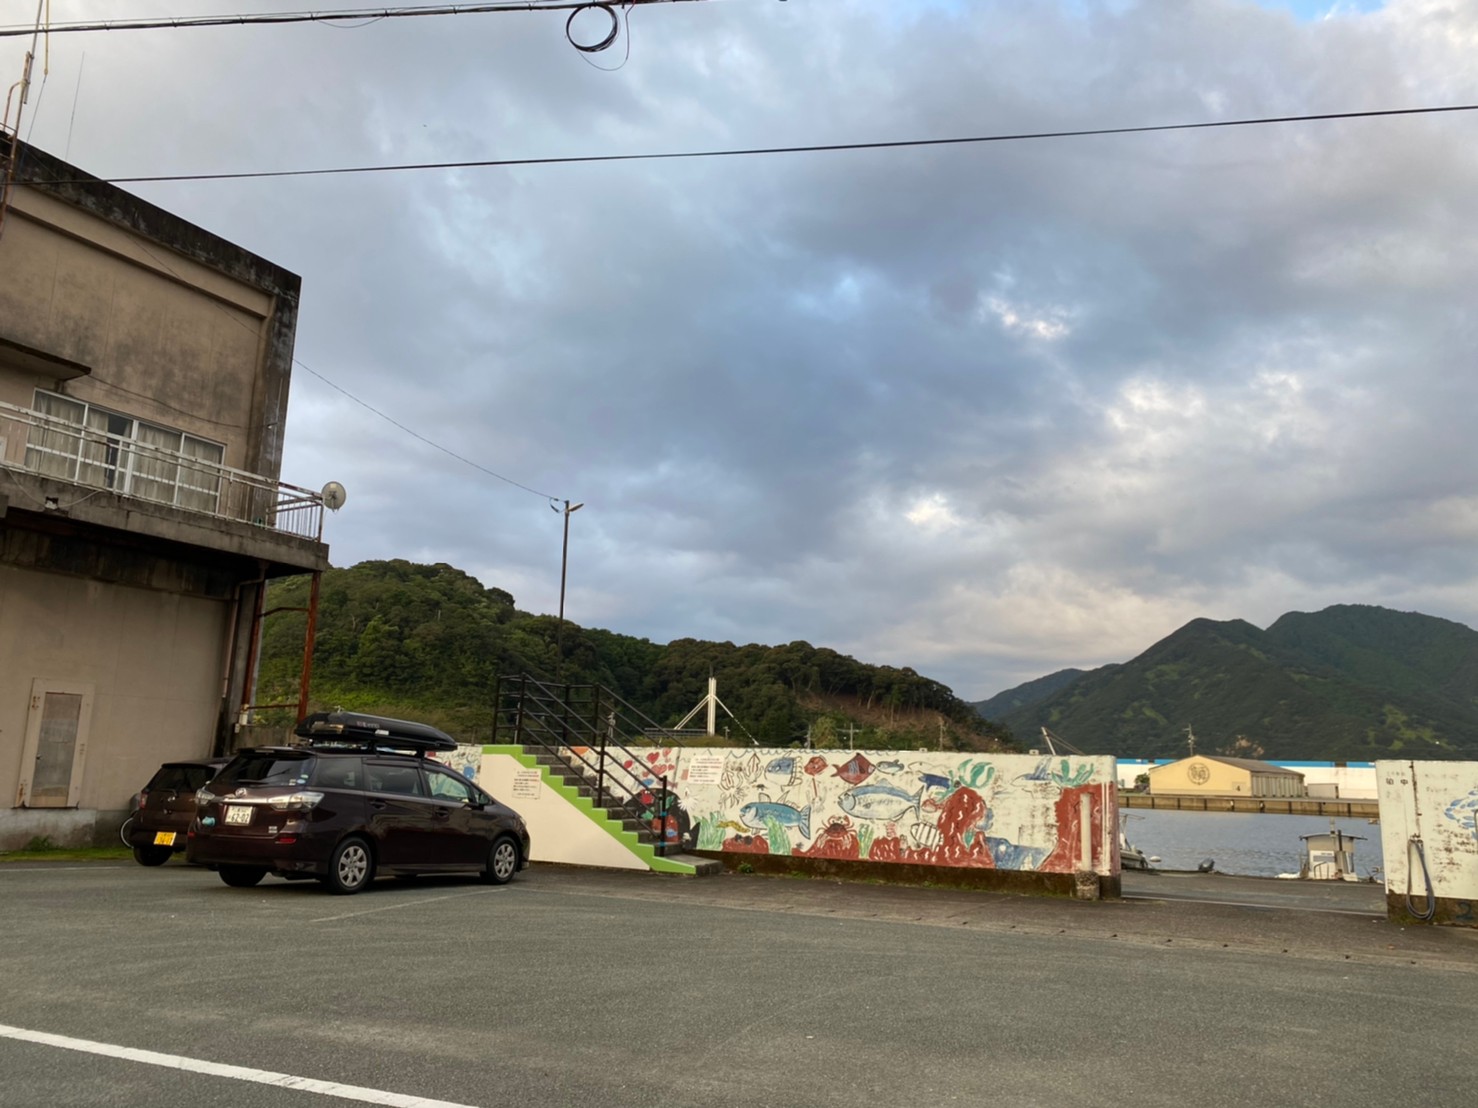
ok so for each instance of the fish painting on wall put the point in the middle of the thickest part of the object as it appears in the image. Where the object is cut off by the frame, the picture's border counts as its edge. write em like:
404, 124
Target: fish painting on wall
857, 770
961, 810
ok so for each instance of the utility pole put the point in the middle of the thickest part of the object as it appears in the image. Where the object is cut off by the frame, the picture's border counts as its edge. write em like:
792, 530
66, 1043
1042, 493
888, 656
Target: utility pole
1191, 740
564, 562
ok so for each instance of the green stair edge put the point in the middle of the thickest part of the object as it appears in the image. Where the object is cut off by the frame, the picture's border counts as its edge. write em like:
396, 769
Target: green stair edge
597, 816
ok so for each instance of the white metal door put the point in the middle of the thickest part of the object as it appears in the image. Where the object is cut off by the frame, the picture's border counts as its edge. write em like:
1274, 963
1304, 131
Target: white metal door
56, 744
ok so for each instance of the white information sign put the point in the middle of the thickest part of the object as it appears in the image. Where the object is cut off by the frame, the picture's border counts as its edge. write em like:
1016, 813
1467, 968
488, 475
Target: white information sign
705, 769
526, 784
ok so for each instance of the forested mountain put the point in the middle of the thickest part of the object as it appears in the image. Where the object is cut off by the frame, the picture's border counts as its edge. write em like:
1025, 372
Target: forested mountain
430, 641
1351, 682
1024, 696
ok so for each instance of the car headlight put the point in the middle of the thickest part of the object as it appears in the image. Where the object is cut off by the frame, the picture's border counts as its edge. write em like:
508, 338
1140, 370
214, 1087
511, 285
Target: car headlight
203, 796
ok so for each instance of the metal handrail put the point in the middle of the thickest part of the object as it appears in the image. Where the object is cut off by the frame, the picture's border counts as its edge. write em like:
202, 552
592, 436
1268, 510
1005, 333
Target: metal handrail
539, 714
551, 726
196, 485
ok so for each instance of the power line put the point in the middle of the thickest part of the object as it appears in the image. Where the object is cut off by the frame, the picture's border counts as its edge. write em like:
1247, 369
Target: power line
372, 15
417, 435
892, 144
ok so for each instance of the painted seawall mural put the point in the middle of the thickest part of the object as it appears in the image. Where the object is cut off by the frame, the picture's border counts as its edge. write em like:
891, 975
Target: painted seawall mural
1003, 811
466, 760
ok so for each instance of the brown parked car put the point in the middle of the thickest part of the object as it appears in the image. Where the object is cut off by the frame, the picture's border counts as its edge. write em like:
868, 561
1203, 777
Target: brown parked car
165, 807
360, 799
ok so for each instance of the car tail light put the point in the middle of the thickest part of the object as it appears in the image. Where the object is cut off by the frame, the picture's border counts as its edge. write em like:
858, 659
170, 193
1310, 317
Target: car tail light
287, 840
299, 801
142, 799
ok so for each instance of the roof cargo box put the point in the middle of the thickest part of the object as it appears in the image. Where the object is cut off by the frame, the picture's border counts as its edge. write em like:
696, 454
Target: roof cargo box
357, 729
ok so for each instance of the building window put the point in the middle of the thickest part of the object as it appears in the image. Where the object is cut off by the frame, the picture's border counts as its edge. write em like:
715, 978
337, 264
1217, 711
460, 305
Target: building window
107, 450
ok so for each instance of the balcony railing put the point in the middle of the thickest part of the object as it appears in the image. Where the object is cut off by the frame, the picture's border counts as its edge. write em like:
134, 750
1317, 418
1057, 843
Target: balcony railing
33, 442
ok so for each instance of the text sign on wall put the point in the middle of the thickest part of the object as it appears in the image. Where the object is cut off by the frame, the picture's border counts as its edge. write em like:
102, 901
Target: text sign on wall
705, 769
526, 784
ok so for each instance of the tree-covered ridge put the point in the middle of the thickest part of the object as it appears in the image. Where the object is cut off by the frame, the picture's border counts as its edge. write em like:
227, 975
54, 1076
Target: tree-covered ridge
431, 641
1025, 695
1351, 682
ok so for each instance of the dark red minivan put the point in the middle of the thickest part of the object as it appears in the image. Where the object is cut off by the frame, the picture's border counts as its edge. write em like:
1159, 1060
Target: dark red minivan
165, 807
359, 800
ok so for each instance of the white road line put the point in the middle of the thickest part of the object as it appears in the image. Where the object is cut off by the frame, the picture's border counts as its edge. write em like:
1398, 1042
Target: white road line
239, 1073
404, 904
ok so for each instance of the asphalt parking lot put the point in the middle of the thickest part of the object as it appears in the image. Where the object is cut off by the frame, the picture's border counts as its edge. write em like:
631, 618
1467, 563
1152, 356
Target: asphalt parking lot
614, 990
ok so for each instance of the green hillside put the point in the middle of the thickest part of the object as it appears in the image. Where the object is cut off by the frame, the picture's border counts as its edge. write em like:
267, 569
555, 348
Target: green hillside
1351, 682
430, 641
1024, 696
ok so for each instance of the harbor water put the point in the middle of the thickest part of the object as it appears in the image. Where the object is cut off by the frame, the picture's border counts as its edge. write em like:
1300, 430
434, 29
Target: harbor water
1251, 844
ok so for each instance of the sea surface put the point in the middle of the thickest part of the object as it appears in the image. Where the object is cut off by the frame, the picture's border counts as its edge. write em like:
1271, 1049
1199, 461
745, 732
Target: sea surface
1252, 844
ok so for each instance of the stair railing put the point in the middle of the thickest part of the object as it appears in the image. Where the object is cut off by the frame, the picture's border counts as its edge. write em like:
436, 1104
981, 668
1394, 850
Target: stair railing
595, 734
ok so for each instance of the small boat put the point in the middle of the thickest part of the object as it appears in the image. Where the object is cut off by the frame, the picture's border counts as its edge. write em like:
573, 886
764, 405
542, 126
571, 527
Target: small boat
1131, 857
1328, 857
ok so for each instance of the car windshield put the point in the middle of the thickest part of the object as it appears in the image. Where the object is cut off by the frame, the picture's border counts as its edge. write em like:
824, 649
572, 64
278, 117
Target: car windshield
266, 768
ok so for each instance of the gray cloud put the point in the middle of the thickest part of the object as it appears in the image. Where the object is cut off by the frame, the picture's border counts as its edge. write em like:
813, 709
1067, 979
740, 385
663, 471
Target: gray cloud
986, 411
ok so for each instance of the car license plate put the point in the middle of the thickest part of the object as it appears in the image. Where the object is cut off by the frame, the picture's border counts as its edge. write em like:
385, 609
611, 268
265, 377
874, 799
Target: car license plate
238, 813
164, 838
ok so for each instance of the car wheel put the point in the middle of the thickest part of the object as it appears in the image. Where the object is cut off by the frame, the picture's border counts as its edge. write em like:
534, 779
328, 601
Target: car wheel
502, 862
123, 831
151, 855
242, 877
351, 868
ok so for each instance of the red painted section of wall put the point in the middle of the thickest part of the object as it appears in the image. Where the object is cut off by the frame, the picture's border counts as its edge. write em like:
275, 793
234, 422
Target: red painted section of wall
747, 844
959, 823
1064, 856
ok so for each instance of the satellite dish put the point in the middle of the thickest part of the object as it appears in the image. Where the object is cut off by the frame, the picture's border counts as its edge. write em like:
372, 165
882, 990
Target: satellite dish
334, 496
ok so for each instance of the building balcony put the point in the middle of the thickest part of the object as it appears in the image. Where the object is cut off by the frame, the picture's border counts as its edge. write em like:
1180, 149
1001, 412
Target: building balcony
122, 474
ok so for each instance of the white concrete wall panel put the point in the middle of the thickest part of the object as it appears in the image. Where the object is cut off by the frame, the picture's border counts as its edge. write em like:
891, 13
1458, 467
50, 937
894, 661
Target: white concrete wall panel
1427, 814
559, 831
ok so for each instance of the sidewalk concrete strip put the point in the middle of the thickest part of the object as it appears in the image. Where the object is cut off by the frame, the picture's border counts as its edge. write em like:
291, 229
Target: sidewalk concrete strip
1258, 904
238, 1073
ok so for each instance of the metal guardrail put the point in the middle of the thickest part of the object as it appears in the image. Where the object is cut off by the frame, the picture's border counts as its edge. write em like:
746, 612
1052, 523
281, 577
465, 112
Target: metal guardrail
587, 728
33, 442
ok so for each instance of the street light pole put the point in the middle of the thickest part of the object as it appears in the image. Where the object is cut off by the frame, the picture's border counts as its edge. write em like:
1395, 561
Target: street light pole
564, 562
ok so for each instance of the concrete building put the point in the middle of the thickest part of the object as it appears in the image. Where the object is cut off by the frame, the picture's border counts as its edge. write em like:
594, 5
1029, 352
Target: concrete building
1213, 775
144, 369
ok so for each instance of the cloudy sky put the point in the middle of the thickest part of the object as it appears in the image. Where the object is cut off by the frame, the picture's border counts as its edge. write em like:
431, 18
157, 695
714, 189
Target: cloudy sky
984, 410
